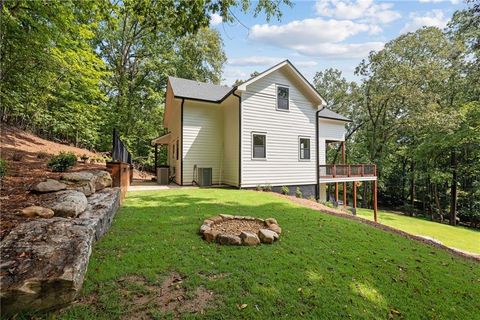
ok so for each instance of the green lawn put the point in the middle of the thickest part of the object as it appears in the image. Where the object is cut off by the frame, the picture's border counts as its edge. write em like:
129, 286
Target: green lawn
323, 267
457, 237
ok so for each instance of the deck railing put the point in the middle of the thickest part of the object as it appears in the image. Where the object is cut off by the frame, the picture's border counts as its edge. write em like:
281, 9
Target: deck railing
347, 170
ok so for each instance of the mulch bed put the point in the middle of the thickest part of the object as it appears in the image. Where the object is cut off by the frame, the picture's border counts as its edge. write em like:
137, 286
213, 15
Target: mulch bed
317, 206
235, 226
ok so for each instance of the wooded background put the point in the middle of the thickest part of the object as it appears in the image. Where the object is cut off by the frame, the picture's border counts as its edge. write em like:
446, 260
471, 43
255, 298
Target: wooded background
74, 70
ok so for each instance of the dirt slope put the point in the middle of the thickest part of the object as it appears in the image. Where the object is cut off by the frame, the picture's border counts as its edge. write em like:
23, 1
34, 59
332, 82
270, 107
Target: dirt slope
26, 166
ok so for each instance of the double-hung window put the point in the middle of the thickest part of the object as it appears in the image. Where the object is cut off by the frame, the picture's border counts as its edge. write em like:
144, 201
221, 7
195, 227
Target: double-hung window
304, 148
283, 95
259, 146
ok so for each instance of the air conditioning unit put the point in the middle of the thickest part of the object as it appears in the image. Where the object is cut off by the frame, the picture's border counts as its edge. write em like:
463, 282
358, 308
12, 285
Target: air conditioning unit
162, 176
204, 177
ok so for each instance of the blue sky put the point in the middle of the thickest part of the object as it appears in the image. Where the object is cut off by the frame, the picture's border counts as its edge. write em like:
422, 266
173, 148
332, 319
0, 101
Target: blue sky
321, 34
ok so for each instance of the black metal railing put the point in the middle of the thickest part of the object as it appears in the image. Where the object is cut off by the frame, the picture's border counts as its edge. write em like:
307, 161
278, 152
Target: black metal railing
119, 151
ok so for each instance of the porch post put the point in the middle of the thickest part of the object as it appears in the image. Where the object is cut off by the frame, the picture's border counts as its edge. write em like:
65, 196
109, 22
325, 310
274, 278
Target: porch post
354, 194
375, 200
156, 158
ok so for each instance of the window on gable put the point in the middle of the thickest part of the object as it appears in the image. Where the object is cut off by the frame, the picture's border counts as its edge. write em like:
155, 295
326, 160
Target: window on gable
259, 148
282, 98
304, 148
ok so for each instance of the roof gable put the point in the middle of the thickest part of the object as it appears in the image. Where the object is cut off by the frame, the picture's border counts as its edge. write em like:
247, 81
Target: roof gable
329, 114
293, 72
190, 89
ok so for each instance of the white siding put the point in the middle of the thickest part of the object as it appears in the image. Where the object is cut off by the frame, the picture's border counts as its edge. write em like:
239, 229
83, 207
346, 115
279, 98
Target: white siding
230, 140
173, 126
331, 129
202, 139
283, 128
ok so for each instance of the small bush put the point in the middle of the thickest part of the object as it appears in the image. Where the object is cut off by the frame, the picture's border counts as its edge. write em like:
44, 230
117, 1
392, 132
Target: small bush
267, 188
3, 168
285, 190
259, 188
17, 156
42, 155
298, 193
84, 157
62, 162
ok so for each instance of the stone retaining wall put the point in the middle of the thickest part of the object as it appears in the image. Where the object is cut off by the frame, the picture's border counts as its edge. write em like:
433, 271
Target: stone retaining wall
44, 261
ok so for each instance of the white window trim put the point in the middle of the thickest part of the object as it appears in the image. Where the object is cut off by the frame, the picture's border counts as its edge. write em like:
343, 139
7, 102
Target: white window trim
278, 85
299, 150
260, 134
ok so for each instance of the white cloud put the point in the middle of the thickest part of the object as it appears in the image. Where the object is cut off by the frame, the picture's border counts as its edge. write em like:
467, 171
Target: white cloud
434, 18
215, 19
317, 37
362, 10
438, 1
340, 50
306, 31
305, 64
254, 61
266, 61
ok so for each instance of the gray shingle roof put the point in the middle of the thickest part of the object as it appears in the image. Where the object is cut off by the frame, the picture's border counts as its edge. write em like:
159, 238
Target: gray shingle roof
329, 114
184, 88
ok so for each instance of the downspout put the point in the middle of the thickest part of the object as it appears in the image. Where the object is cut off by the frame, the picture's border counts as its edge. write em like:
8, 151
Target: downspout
317, 156
239, 138
181, 142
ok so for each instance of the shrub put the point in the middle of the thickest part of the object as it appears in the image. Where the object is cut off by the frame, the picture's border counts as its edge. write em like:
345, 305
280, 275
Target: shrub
62, 162
268, 188
17, 156
84, 157
259, 188
3, 168
298, 193
285, 190
42, 155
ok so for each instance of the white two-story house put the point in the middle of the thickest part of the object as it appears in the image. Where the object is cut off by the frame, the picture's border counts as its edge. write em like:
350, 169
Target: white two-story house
270, 130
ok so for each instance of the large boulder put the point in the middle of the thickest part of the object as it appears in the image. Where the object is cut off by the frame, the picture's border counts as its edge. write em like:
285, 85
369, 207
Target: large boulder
103, 179
37, 211
83, 181
43, 264
67, 203
50, 185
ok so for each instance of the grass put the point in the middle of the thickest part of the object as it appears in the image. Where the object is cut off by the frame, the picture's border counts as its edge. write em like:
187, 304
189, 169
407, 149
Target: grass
457, 237
323, 267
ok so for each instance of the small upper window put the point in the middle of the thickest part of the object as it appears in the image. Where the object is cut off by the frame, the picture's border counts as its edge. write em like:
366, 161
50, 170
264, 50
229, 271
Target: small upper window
304, 149
282, 98
259, 146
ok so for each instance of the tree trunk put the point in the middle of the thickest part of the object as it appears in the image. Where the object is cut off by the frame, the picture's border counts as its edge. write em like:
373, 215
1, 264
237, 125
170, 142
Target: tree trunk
453, 189
412, 188
437, 201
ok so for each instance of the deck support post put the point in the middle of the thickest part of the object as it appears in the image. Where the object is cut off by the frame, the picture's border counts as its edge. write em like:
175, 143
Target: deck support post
354, 194
375, 200
336, 192
344, 160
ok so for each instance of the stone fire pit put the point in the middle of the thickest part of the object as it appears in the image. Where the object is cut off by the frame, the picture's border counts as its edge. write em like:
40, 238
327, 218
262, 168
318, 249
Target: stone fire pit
240, 230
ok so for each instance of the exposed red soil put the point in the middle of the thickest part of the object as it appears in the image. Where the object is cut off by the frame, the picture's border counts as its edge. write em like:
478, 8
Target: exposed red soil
167, 297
